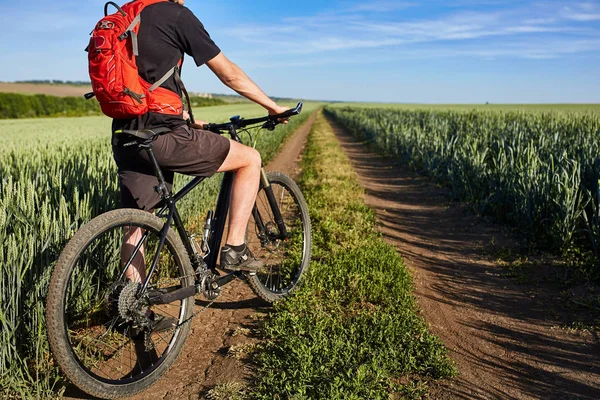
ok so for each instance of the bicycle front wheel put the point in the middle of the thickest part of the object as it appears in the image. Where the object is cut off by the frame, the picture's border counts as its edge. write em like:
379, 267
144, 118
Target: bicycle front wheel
286, 259
95, 316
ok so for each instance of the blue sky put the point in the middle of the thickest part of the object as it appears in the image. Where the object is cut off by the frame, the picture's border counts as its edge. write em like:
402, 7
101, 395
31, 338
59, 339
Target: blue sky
462, 51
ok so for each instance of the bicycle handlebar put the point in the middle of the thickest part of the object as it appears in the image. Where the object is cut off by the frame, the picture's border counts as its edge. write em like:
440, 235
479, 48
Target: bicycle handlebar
269, 122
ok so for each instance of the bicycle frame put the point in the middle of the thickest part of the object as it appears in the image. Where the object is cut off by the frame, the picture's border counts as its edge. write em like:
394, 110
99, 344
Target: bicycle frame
217, 227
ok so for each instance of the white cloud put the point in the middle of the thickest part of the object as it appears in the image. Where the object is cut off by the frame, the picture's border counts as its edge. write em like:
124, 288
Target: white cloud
382, 6
328, 32
583, 12
541, 30
584, 16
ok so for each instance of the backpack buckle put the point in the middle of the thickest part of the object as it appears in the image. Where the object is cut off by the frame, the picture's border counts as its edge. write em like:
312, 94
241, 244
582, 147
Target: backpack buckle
105, 25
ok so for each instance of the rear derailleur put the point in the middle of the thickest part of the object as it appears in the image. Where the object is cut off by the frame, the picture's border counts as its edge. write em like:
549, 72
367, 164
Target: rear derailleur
133, 313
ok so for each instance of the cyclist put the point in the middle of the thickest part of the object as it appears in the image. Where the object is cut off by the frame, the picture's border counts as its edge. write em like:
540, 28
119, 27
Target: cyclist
168, 31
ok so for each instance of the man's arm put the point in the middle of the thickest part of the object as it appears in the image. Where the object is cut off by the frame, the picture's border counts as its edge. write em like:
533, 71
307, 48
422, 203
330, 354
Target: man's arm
234, 78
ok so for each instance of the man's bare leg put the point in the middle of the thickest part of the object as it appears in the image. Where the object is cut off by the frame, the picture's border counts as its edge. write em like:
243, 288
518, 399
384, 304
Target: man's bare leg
137, 270
246, 163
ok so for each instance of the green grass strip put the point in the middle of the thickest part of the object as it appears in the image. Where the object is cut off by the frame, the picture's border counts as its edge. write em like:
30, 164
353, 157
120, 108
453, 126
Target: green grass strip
353, 330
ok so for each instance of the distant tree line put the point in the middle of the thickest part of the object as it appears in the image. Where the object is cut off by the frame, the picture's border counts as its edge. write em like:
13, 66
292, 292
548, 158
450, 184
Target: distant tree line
13, 105
56, 82
198, 101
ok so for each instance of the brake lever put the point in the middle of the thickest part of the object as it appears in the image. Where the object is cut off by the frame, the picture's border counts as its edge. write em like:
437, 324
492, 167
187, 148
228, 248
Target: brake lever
270, 125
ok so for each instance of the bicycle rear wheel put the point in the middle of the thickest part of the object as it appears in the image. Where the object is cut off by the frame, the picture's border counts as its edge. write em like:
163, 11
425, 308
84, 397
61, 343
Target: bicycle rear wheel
285, 260
96, 320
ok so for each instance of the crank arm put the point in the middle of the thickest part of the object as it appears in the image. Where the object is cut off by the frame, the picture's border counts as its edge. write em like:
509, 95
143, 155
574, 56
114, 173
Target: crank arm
171, 294
224, 280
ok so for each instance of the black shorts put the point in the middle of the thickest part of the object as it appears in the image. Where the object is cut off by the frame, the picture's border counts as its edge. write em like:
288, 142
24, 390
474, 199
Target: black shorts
185, 150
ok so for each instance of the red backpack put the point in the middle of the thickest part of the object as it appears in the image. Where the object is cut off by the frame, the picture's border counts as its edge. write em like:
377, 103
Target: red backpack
116, 82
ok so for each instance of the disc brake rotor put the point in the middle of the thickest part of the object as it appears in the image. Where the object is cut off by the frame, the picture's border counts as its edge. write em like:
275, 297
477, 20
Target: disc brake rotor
272, 232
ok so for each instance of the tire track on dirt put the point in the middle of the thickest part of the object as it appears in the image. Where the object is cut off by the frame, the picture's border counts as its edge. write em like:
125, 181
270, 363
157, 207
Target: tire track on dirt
504, 340
204, 361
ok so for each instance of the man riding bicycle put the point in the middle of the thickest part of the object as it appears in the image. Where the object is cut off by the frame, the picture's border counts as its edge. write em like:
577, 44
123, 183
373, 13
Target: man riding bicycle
170, 30
118, 319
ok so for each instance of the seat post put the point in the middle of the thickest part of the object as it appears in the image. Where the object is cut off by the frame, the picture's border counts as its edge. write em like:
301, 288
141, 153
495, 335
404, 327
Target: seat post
161, 188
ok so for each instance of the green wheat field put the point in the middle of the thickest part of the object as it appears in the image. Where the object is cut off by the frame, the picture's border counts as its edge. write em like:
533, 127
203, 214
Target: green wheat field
534, 167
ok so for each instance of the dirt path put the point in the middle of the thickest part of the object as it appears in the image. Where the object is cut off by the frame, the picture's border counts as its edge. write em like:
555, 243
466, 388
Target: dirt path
207, 358
504, 338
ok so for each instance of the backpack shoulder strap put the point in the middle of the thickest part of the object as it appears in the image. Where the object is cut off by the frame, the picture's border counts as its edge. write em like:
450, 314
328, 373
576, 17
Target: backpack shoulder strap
130, 32
134, 9
185, 92
175, 73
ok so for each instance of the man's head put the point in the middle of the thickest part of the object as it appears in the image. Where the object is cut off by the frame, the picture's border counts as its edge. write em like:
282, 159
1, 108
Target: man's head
180, 2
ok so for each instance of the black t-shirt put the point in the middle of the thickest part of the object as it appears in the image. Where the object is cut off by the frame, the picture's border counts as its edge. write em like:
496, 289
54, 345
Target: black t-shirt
167, 32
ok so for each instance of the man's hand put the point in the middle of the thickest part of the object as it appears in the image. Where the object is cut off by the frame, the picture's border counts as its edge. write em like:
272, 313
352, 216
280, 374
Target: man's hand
278, 110
197, 124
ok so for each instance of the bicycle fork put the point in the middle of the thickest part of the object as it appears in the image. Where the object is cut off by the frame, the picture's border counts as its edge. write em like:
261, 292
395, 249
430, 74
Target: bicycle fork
266, 185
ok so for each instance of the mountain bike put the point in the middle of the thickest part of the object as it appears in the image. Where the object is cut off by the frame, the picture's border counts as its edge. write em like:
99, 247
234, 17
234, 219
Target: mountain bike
100, 324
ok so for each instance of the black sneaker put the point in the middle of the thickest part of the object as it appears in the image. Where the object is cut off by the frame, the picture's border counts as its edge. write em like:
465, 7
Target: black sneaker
239, 260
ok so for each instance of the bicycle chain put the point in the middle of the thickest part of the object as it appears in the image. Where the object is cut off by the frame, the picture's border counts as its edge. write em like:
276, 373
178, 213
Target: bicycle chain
149, 345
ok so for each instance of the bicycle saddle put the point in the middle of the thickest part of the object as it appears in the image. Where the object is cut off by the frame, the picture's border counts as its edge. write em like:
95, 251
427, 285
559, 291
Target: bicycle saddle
126, 137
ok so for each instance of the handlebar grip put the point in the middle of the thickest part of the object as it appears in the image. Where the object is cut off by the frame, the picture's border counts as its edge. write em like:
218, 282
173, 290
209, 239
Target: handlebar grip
289, 113
269, 121
215, 128
273, 120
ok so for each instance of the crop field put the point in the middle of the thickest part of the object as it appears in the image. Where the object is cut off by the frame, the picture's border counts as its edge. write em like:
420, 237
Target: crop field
55, 175
537, 171
526, 108
535, 167
52, 90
